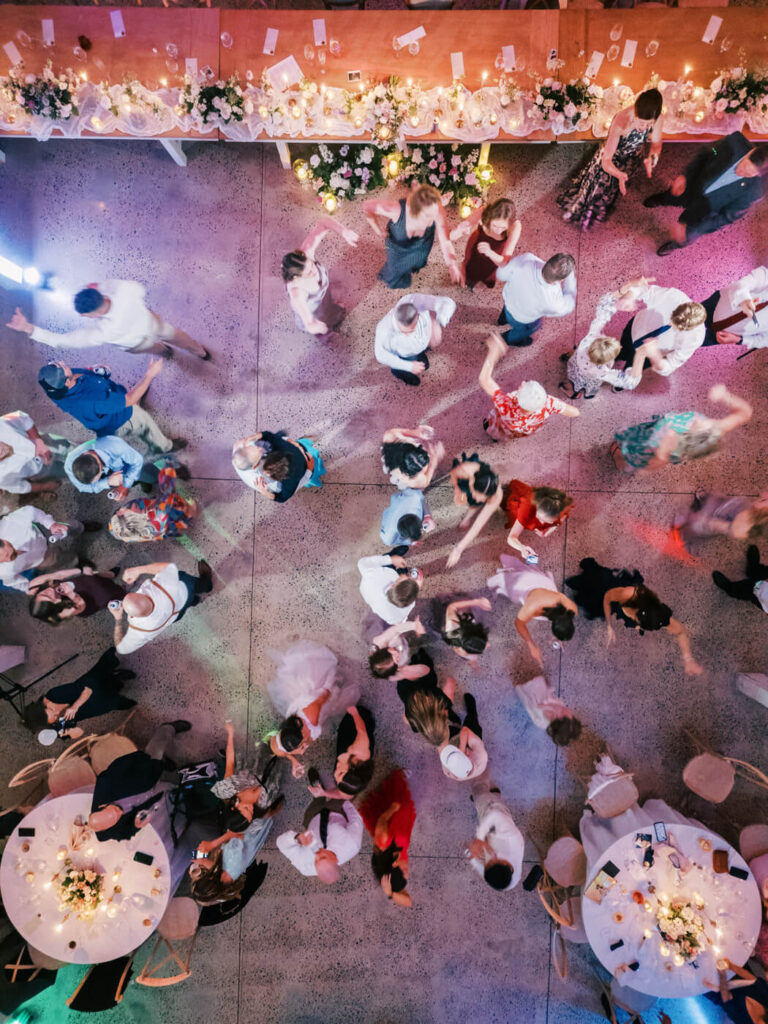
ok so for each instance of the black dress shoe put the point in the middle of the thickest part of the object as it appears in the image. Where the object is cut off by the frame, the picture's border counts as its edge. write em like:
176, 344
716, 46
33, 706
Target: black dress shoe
180, 725
90, 526
207, 357
657, 199
668, 247
179, 443
721, 581
183, 473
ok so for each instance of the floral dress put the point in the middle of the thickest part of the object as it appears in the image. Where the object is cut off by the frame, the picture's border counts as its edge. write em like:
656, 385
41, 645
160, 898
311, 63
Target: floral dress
509, 419
592, 194
638, 444
583, 374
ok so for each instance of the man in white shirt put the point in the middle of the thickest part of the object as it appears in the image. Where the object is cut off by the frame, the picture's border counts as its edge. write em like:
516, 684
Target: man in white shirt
333, 835
24, 544
28, 465
390, 593
669, 330
157, 603
738, 314
532, 290
117, 315
497, 850
409, 331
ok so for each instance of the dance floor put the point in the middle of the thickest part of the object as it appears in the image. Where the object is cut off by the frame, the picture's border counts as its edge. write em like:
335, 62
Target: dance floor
207, 240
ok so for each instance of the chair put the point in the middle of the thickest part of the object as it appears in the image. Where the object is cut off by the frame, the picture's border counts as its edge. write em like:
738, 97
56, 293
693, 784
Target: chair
629, 999
753, 841
758, 1013
37, 962
120, 730
103, 986
610, 790
565, 866
107, 749
179, 922
34, 772
566, 862
709, 776
75, 749
759, 868
69, 775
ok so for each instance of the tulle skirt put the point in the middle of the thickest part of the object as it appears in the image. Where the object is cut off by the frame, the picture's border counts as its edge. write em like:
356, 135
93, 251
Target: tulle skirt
304, 670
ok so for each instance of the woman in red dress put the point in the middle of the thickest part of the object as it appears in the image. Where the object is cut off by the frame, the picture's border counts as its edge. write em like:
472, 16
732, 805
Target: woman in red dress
494, 231
389, 815
540, 509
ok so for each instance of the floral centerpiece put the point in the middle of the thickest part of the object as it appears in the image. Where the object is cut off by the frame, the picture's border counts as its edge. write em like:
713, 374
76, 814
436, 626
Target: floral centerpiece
48, 95
740, 89
79, 890
567, 104
346, 171
120, 99
681, 926
452, 173
207, 104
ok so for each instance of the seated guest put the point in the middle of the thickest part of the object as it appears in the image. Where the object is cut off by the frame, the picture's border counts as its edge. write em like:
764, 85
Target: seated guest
737, 314
157, 603
497, 850
69, 593
108, 462
25, 547
333, 835
389, 814
668, 331
405, 519
29, 463
410, 457
388, 587
355, 741
405, 335
276, 466
547, 711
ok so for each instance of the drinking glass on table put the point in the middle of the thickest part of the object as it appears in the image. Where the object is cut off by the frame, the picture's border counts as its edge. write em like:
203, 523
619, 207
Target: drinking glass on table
615, 33
309, 52
613, 52
226, 40
652, 48
413, 47
321, 60
172, 50
334, 47
397, 45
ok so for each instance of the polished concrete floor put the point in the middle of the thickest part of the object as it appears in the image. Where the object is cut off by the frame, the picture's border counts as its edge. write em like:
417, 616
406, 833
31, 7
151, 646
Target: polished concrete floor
207, 240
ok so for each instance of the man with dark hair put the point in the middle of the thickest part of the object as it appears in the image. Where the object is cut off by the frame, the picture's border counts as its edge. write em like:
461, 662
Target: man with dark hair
532, 290
497, 850
388, 587
717, 188
405, 519
117, 315
409, 331
108, 462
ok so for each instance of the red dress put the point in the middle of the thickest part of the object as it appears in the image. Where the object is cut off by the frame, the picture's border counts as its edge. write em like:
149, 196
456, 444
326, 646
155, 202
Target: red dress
394, 789
477, 266
520, 509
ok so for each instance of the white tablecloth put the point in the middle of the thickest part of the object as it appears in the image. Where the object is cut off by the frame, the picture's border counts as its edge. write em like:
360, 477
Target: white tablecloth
731, 906
123, 920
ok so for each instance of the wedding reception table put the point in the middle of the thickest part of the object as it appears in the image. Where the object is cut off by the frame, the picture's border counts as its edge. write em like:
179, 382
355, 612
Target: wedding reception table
679, 892
134, 893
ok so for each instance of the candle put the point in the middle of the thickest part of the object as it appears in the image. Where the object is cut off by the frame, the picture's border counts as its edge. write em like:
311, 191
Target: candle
410, 82
493, 119
163, 82
686, 71
297, 111
330, 202
30, 877
84, 75
485, 173
664, 949
393, 166
464, 210
484, 75
414, 121
678, 959
698, 116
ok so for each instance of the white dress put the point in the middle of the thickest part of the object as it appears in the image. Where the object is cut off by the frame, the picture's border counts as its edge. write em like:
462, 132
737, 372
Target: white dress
516, 579
304, 670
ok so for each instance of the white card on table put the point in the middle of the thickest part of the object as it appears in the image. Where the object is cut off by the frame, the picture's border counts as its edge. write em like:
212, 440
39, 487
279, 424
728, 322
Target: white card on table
286, 72
595, 62
713, 27
118, 25
13, 54
48, 37
457, 65
270, 42
628, 57
190, 67
508, 57
318, 27
412, 37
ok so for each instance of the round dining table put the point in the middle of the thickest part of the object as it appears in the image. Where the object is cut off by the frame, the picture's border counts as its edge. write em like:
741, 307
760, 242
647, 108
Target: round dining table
135, 888
632, 893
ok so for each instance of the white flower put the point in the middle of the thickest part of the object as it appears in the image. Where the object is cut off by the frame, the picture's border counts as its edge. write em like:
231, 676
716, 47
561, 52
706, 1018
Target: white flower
66, 110
742, 94
539, 99
717, 85
379, 92
226, 111
238, 90
720, 106
416, 157
248, 106
366, 155
314, 160
569, 110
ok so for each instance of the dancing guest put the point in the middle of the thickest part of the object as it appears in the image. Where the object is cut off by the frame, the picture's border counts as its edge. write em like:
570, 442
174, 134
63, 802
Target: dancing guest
406, 519
535, 590
157, 603
333, 835
474, 484
532, 290
105, 407
592, 194
462, 631
679, 436
426, 702
276, 466
737, 314
539, 509
497, 850
409, 331
355, 744
307, 283
410, 457
389, 814
667, 332
29, 463
494, 231
516, 413
717, 188
391, 654
388, 586
117, 315
25, 545
462, 752
547, 711
96, 692
602, 592
70, 593
754, 588
107, 463
716, 515
148, 519
408, 228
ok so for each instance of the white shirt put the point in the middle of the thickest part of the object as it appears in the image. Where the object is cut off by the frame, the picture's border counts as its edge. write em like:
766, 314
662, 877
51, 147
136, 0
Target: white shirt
19, 530
528, 296
752, 286
676, 347
541, 702
392, 346
377, 573
126, 323
499, 830
143, 628
477, 754
24, 463
344, 839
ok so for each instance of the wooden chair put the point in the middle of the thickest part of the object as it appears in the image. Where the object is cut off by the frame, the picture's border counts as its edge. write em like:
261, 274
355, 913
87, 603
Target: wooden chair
37, 962
107, 749
566, 862
69, 775
76, 748
178, 923
565, 867
35, 772
753, 841
758, 1013
629, 999
709, 776
103, 986
120, 730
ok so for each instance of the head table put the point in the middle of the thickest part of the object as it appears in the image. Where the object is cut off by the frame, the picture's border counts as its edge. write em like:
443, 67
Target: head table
134, 895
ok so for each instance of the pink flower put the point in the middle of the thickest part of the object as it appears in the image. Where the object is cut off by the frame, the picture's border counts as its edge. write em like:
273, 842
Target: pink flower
432, 165
442, 168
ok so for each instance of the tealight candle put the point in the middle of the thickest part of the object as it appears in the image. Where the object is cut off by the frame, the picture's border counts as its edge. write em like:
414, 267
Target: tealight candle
30, 877
664, 949
698, 116
163, 82
678, 959
648, 907
414, 121
59, 928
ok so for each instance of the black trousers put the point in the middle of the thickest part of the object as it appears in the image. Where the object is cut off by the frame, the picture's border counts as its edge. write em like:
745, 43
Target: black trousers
744, 590
413, 379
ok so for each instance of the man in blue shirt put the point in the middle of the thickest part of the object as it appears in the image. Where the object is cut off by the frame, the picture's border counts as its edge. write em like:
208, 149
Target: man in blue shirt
107, 462
405, 519
104, 406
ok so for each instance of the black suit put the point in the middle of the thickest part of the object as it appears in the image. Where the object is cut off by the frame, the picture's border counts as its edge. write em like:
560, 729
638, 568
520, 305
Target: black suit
130, 775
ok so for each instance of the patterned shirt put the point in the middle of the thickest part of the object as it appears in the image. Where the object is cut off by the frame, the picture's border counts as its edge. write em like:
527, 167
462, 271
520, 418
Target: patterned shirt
508, 419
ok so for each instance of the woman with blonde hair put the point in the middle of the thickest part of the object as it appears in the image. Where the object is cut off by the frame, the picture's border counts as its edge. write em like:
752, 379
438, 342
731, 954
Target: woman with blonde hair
165, 515
494, 231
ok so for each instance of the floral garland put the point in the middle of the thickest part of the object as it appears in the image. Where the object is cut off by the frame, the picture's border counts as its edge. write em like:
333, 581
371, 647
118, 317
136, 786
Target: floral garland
740, 89
565, 103
681, 926
218, 102
79, 890
121, 99
44, 95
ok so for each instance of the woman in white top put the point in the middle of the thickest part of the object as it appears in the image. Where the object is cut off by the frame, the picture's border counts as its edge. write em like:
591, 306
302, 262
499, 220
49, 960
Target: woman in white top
547, 711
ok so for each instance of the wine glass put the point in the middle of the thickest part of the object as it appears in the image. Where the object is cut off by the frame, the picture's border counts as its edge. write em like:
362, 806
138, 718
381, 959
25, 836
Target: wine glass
23, 39
334, 48
652, 48
615, 33
321, 58
226, 40
172, 50
172, 65
613, 52
725, 43
309, 52
499, 62
79, 52
413, 47
397, 45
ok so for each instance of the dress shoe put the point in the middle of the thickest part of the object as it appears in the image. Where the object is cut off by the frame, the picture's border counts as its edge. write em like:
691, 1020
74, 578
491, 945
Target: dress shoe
179, 444
180, 725
721, 581
90, 526
207, 357
668, 247
657, 199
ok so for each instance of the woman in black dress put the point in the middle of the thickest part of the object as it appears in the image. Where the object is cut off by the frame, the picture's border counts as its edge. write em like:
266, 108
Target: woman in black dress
72, 592
355, 742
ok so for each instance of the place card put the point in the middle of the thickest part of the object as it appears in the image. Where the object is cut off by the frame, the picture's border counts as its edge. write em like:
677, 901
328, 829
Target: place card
13, 54
628, 57
508, 58
48, 37
286, 72
457, 65
595, 62
318, 27
270, 42
190, 67
412, 37
118, 25
713, 27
